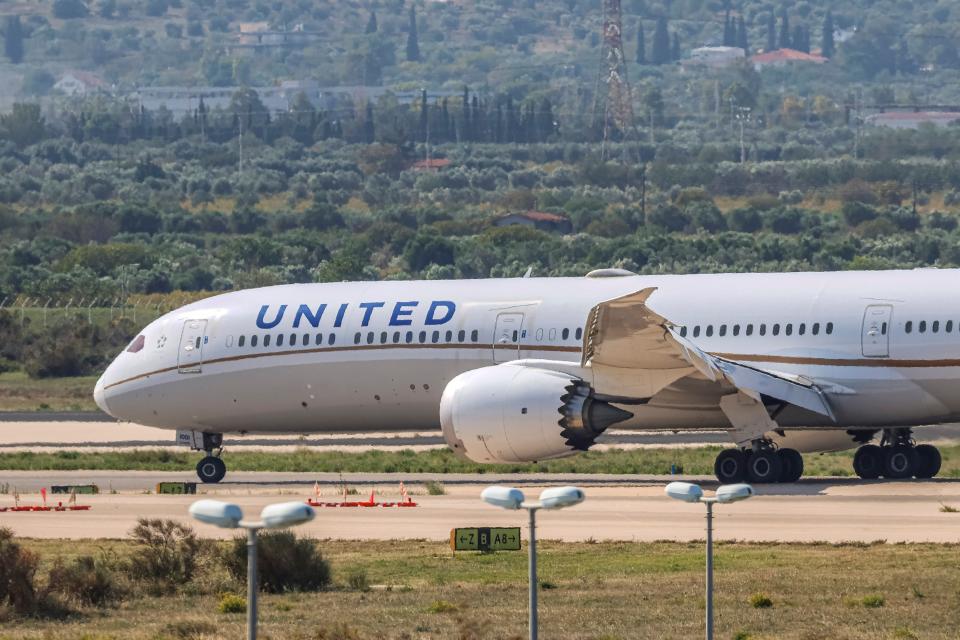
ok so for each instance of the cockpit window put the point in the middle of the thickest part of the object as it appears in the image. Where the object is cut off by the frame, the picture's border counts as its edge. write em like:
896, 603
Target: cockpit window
137, 344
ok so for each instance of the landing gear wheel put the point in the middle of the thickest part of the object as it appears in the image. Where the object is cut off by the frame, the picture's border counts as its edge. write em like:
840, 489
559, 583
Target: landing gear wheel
211, 469
730, 466
899, 462
868, 462
928, 461
764, 466
792, 463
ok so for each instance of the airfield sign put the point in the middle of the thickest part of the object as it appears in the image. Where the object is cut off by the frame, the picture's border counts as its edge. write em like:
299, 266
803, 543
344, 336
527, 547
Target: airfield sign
485, 539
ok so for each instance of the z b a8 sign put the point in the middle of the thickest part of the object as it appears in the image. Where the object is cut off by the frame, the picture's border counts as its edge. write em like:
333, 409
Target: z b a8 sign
485, 539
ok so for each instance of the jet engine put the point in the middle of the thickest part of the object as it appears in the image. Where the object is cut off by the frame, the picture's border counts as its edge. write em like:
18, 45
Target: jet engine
511, 413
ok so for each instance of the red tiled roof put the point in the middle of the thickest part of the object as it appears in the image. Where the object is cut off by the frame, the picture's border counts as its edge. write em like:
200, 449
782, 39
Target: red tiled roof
787, 55
432, 163
543, 216
86, 78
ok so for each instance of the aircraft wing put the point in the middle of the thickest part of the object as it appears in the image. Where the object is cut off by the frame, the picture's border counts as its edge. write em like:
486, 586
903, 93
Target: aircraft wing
625, 337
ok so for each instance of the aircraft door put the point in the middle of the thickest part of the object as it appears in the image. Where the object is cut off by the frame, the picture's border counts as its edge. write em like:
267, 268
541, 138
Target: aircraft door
875, 333
192, 339
507, 336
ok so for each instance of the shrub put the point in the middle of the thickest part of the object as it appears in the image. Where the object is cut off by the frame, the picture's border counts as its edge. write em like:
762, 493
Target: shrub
357, 580
760, 601
168, 552
18, 569
284, 562
435, 488
86, 580
232, 603
189, 629
442, 606
873, 601
856, 213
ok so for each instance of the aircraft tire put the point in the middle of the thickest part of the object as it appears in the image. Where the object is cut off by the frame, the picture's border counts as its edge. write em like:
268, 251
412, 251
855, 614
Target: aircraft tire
929, 460
792, 465
900, 461
764, 467
868, 462
730, 466
211, 470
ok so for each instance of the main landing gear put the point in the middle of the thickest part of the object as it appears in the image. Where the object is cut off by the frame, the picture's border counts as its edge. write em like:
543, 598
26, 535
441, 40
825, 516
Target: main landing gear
897, 457
211, 469
762, 464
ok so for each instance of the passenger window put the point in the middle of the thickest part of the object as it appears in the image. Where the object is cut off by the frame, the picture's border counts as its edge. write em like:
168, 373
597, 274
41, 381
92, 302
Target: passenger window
749, 329
908, 328
802, 329
683, 332
736, 330
579, 333
815, 329
280, 340
776, 329
922, 327
829, 328
396, 337
253, 341
409, 337
198, 342
474, 335
883, 329
266, 340
423, 337
318, 340
539, 335
461, 336
370, 337
383, 337
515, 335
241, 340
331, 339
435, 338
723, 330
356, 338
935, 327
566, 334
709, 330
763, 329
293, 339
696, 331
448, 336
553, 334
789, 329
948, 328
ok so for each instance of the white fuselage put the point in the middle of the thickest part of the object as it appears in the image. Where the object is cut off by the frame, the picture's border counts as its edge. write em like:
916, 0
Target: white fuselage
378, 355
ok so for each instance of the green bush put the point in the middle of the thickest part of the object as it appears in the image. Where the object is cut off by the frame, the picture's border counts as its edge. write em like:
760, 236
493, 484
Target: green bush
232, 603
18, 569
284, 562
760, 601
357, 580
442, 606
435, 488
167, 554
86, 580
873, 601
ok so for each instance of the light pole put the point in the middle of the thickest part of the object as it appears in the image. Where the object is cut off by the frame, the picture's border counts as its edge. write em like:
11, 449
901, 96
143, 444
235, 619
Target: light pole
229, 516
688, 492
510, 498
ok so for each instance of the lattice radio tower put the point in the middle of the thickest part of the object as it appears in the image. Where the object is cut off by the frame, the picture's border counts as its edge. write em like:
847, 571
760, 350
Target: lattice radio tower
612, 98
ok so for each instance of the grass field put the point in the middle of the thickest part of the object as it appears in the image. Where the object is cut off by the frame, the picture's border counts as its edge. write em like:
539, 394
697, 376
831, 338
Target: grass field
19, 392
697, 461
589, 591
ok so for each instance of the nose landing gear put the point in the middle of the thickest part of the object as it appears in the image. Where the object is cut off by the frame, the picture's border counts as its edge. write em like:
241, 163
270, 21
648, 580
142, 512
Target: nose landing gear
897, 458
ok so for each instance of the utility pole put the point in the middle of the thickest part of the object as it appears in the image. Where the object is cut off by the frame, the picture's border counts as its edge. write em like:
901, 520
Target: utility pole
240, 145
743, 115
613, 101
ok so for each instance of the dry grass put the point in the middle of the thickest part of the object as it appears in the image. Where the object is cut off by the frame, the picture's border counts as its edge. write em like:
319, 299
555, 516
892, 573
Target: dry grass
18, 392
602, 590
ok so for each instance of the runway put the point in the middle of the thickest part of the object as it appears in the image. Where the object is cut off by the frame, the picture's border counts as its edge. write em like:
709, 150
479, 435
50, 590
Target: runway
625, 508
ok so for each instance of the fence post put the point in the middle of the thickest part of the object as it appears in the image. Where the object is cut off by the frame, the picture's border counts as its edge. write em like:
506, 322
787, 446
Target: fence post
46, 305
90, 311
23, 309
4, 302
66, 309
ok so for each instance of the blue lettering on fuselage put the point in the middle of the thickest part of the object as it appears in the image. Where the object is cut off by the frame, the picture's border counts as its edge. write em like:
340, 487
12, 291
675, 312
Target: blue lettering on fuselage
438, 312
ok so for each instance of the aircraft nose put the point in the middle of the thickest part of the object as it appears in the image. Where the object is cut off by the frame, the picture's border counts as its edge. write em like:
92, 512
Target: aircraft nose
100, 396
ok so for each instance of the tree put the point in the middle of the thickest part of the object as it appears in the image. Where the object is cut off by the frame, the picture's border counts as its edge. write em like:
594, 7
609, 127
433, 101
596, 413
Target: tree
641, 45
771, 32
372, 22
661, 43
413, 44
796, 39
675, 48
743, 40
827, 47
69, 9
785, 42
729, 38
13, 40
24, 125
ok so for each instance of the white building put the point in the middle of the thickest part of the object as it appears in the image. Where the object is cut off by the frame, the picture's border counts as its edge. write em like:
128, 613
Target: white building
912, 119
79, 83
714, 57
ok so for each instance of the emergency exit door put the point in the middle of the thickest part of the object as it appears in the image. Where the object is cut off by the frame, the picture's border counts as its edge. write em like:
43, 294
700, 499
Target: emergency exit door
507, 336
192, 339
875, 333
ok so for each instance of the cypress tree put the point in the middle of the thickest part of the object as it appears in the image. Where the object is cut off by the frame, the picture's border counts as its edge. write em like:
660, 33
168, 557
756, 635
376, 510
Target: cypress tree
372, 22
728, 36
641, 45
444, 121
771, 33
465, 131
797, 38
13, 40
413, 44
827, 47
743, 40
477, 122
369, 132
660, 54
785, 42
424, 117
675, 49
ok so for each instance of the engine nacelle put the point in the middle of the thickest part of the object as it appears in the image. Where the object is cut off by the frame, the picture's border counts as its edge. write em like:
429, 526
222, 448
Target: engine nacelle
511, 413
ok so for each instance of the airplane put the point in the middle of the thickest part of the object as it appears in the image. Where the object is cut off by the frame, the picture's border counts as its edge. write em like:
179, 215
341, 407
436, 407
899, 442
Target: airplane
529, 369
